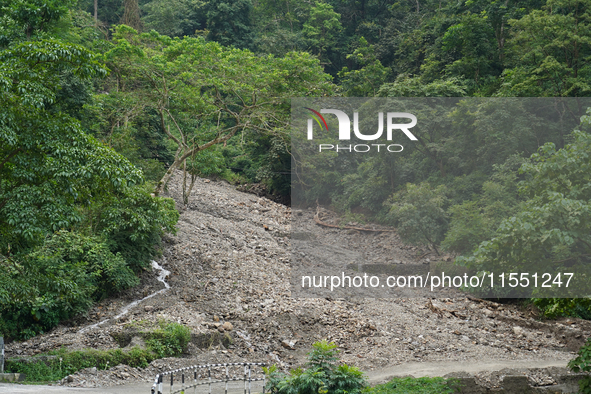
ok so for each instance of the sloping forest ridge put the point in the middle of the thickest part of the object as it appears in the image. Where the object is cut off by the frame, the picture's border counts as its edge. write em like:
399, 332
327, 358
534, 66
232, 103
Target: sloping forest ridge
130, 131
229, 263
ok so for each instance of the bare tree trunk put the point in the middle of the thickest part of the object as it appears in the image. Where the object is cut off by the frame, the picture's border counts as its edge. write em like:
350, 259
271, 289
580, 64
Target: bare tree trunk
185, 195
162, 184
180, 159
187, 191
95, 13
184, 151
131, 14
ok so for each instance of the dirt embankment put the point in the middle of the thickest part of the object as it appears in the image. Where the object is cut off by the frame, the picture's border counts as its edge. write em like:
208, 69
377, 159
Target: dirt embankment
230, 262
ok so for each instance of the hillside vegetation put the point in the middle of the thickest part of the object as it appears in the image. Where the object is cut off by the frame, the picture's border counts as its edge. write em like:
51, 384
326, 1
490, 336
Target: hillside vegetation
101, 105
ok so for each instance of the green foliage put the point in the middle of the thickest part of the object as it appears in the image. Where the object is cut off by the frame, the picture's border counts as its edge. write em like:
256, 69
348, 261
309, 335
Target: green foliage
68, 362
170, 340
493, 130
476, 220
468, 227
322, 27
50, 167
229, 22
472, 41
551, 229
367, 80
49, 164
225, 92
558, 307
321, 375
323, 355
404, 86
110, 12
414, 386
56, 281
419, 213
582, 363
120, 121
176, 18
209, 162
133, 222
74, 216
279, 25
549, 51
367, 188
26, 19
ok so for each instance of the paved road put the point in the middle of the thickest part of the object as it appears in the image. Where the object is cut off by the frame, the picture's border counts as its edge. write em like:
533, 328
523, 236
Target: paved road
377, 376
442, 368
144, 388
37, 389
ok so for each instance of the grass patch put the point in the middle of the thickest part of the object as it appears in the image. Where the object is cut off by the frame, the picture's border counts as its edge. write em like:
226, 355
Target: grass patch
413, 385
168, 340
68, 362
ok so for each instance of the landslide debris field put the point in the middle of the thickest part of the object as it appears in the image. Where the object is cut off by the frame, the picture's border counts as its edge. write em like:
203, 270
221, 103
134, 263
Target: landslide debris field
230, 271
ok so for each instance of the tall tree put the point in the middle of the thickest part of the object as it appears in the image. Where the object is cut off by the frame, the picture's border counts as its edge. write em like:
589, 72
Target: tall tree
367, 80
48, 165
229, 22
551, 231
551, 51
175, 18
26, 19
205, 94
322, 28
131, 14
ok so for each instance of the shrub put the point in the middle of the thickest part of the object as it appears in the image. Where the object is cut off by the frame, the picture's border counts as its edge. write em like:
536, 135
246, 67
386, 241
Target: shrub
412, 385
322, 375
56, 281
419, 213
170, 340
133, 223
68, 362
582, 363
558, 307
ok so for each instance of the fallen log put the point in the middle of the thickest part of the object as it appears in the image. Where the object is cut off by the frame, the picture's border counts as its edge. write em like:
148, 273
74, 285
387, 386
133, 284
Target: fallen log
321, 223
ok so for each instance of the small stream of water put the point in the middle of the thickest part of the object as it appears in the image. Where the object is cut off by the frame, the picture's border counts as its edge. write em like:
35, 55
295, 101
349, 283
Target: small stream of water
161, 278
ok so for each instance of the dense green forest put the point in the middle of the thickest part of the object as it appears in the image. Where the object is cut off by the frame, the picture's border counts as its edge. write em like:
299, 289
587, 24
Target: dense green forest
102, 100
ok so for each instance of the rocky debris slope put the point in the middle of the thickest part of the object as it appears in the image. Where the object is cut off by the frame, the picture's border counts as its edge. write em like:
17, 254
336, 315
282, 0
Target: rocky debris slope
230, 263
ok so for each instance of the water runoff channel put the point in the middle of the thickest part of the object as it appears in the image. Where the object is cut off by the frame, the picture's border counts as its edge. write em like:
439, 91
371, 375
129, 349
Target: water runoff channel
162, 274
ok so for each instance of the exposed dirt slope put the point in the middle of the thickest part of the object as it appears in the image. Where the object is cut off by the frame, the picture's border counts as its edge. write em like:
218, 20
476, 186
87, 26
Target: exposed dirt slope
230, 262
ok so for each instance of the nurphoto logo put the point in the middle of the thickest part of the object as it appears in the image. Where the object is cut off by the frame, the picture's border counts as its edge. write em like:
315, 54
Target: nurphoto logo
345, 130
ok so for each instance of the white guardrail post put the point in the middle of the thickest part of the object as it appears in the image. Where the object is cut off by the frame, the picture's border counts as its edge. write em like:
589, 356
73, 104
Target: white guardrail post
208, 379
2, 355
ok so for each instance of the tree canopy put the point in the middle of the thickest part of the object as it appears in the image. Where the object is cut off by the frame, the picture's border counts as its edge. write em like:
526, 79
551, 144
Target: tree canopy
97, 114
